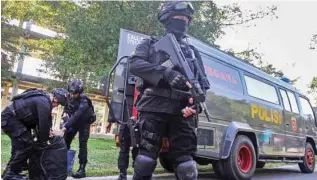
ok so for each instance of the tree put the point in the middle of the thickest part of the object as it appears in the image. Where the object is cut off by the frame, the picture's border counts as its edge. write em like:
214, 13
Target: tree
313, 87
45, 14
254, 58
93, 30
95, 44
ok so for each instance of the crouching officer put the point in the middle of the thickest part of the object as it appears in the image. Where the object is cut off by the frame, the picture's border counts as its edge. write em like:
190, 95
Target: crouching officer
125, 143
29, 110
160, 106
81, 114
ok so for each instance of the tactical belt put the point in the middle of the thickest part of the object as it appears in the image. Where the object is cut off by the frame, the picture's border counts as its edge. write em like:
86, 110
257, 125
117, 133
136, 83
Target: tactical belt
175, 95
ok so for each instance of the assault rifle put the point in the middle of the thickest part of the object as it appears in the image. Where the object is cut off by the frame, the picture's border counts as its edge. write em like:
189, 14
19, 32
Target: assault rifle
169, 45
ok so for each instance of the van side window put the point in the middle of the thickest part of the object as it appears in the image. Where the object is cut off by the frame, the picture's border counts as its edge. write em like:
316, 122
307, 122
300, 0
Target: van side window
307, 109
287, 106
293, 102
261, 90
222, 75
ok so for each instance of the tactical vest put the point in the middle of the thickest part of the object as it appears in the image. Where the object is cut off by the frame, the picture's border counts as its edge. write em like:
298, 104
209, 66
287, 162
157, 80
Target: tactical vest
72, 108
20, 108
164, 89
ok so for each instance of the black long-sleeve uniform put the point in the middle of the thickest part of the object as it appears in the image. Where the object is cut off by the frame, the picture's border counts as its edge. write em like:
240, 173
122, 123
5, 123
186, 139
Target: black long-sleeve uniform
17, 119
160, 108
79, 121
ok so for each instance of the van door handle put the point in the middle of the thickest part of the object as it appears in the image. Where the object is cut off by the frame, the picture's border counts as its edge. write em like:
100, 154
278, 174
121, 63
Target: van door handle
287, 124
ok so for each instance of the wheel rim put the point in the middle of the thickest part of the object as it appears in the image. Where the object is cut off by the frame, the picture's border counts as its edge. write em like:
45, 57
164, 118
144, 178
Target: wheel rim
310, 158
244, 159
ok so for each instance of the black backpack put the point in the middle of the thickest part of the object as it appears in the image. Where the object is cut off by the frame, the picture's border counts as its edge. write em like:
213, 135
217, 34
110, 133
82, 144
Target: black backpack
49, 161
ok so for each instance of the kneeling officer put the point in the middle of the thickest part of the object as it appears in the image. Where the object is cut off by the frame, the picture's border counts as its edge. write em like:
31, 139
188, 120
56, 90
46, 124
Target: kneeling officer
29, 110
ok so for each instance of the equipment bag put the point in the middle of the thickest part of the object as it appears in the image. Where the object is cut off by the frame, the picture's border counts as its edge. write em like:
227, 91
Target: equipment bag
49, 161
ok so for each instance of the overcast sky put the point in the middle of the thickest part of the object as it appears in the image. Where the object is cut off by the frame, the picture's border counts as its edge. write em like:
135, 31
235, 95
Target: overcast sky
284, 42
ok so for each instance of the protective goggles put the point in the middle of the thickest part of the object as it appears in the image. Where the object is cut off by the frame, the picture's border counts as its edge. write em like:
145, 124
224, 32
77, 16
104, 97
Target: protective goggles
184, 6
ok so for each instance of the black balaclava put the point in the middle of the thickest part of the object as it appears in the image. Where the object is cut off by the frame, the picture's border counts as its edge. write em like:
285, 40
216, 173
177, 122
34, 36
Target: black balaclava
176, 26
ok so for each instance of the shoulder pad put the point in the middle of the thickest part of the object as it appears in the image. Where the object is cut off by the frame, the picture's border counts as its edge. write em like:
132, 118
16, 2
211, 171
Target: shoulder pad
30, 93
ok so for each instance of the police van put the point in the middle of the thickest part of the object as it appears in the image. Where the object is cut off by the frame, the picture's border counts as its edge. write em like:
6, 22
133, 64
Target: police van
255, 118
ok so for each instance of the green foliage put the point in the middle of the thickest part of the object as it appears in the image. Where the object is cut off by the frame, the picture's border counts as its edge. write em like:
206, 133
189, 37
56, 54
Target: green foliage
313, 87
253, 57
93, 28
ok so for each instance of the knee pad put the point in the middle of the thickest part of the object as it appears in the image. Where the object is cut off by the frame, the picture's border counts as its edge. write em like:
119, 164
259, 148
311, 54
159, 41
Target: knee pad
187, 171
144, 166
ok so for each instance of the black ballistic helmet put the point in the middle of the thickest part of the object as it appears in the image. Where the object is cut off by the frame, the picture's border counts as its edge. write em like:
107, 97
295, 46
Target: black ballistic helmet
75, 86
170, 9
61, 95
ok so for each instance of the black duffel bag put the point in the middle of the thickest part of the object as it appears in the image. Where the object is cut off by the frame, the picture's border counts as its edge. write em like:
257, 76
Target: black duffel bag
49, 162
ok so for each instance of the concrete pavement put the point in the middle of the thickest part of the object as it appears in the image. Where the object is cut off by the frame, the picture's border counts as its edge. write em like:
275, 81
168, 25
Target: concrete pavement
289, 172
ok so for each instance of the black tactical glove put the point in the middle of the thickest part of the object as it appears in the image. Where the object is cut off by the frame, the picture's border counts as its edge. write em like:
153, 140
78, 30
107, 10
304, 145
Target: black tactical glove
175, 79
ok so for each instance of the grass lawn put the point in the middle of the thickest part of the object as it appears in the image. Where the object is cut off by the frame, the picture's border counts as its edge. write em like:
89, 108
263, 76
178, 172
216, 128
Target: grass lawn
102, 157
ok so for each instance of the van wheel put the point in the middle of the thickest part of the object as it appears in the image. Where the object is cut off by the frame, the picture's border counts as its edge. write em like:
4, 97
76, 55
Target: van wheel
218, 168
241, 162
166, 162
308, 164
260, 164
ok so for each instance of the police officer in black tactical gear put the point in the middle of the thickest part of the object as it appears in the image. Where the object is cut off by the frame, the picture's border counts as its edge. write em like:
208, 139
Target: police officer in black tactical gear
125, 143
160, 106
79, 118
29, 111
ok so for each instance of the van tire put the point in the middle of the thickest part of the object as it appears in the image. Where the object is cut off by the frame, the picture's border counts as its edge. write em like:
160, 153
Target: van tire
241, 163
308, 164
166, 162
260, 164
217, 166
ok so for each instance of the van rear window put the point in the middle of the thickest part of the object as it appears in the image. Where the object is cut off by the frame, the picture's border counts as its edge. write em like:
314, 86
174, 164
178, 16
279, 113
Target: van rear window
221, 75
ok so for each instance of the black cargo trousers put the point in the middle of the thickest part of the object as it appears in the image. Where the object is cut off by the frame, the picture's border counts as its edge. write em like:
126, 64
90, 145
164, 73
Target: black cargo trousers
125, 143
21, 139
180, 132
84, 131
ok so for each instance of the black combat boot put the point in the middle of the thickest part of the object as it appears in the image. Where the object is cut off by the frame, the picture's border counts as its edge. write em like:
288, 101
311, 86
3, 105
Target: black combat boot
123, 175
10, 175
81, 173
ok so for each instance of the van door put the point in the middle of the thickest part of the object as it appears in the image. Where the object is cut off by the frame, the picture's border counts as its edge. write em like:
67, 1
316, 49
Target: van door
293, 124
266, 113
309, 118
